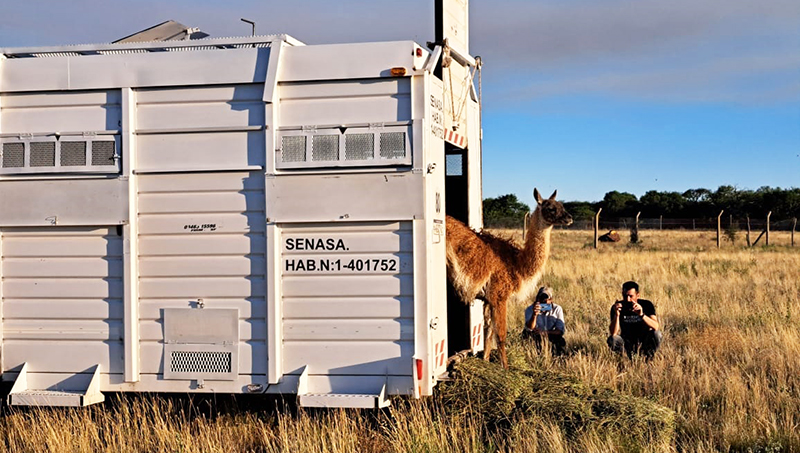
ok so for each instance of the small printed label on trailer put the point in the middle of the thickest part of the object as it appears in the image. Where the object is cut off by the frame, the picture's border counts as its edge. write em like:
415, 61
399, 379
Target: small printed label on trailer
327, 244
342, 265
437, 117
201, 227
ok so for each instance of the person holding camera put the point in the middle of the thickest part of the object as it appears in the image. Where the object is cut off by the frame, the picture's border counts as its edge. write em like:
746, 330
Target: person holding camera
544, 318
634, 324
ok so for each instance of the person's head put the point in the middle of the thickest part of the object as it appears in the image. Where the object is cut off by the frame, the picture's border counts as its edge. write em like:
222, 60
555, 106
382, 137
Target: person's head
630, 291
544, 295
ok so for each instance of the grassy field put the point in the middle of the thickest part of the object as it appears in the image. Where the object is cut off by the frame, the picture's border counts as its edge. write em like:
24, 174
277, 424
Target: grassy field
727, 377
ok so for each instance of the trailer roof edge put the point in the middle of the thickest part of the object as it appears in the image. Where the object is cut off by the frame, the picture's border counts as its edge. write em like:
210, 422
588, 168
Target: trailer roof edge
94, 49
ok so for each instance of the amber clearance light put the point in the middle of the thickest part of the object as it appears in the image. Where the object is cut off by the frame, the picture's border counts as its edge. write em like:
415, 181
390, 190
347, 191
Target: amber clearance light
398, 72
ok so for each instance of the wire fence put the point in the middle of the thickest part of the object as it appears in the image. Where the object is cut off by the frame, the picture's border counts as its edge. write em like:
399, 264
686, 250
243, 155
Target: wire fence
626, 223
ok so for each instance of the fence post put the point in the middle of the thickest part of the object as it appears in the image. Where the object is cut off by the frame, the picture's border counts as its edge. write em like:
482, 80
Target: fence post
693, 225
661, 222
794, 226
525, 224
767, 238
719, 227
748, 231
596, 226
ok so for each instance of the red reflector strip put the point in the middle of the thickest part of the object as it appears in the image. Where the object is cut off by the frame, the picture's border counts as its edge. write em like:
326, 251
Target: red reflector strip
456, 139
419, 369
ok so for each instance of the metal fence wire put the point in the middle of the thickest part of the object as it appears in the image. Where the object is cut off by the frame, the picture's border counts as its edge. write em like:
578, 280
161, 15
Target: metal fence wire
626, 223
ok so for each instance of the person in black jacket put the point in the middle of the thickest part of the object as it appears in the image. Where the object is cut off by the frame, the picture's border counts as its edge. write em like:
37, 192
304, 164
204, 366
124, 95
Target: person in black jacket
634, 326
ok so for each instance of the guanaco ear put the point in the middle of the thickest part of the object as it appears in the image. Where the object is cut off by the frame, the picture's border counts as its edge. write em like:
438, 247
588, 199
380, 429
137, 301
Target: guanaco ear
536, 196
553, 197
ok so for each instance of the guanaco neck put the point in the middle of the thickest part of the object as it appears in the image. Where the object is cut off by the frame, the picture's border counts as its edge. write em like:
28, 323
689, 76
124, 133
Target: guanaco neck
537, 245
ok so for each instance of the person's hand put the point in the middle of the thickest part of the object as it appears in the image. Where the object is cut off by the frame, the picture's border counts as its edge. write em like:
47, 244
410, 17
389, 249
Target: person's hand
637, 309
536, 309
617, 308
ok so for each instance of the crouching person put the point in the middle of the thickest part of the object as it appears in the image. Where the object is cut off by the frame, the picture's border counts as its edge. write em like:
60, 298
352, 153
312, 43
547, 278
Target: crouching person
544, 318
634, 325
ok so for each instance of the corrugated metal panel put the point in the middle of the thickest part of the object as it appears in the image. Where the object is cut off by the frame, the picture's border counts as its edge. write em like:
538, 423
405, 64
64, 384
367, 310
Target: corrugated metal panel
51, 112
201, 151
202, 128
348, 298
62, 306
350, 102
232, 106
201, 236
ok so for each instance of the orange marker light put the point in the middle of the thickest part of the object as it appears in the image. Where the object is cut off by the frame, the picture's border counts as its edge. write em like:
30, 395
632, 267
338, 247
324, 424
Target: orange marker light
398, 72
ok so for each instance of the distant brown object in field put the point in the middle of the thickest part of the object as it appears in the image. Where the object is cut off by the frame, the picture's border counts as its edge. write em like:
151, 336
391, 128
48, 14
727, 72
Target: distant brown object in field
611, 236
482, 266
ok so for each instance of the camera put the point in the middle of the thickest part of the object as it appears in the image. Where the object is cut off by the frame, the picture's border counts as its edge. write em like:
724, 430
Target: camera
627, 306
545, 307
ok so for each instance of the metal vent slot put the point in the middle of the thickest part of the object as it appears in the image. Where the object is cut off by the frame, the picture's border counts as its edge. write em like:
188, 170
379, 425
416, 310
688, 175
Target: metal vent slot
293, 148
200, 362
359, 146
103, 153
13, 155
393, 145
73, 154
325, 147
454, 165
43, 154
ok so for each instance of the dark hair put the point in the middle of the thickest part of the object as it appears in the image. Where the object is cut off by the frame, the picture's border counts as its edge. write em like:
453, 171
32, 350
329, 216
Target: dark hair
627, 286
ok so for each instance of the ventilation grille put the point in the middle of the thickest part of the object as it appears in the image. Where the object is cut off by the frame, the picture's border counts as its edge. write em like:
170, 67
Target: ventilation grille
43, 154
200, 362
30, 155
325, 148
359, 146
454, 165
13, 155
294, 148
73, 154
355, 147
393, 145
103, 153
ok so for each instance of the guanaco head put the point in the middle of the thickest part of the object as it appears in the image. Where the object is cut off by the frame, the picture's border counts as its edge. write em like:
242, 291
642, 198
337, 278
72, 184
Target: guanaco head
552, 211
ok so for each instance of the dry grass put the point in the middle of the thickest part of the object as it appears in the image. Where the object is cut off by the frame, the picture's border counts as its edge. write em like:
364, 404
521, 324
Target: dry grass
726, 379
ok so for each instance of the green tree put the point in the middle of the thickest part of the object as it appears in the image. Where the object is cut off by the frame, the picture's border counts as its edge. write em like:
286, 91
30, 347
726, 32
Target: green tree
669, 204
504, 211
580, 210
619, 204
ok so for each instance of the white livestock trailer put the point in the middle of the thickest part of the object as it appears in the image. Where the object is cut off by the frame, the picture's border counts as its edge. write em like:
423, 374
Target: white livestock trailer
236, 215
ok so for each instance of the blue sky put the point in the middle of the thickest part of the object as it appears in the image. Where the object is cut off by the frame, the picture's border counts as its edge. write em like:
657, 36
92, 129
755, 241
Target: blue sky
580, 96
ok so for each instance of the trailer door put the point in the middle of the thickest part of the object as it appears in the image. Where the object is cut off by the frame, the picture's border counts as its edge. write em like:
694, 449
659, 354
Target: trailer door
347, 302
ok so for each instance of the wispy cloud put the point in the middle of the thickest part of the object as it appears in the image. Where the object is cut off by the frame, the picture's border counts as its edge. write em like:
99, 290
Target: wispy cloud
744, 79
674, 51
547, 33
679, 51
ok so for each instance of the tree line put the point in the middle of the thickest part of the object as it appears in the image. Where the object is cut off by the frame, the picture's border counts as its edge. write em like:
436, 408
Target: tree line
507, 210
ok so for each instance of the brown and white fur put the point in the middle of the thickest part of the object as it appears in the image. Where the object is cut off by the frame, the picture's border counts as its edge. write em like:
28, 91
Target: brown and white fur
482, 266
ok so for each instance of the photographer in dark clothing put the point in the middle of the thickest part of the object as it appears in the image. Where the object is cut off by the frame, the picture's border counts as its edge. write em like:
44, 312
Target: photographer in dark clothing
545, 318
634, 325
